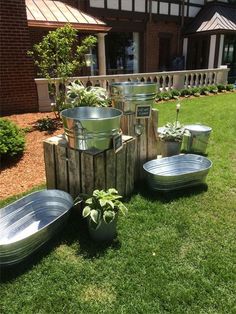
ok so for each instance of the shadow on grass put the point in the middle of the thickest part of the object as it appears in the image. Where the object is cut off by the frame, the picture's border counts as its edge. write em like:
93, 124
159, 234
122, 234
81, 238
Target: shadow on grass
75, 231
166, 197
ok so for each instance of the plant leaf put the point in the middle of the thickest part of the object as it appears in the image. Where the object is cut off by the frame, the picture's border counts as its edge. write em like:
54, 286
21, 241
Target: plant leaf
108, 216
94, 214
86, 211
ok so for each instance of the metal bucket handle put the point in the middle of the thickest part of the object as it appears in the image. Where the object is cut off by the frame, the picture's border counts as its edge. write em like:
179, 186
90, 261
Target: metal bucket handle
79, 127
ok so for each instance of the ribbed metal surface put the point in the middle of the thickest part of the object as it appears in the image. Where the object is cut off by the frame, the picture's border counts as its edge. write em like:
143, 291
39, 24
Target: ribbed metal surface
30, 222
176, 172
89, 128
127, 95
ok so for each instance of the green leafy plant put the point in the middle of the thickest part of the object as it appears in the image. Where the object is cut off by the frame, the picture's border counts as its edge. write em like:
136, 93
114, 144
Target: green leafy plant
230, 87
173, 132
103, 206
213, 89
204, 90
59, 56
221, 88
175, 93
78, 95
12, 139
185, 92
46, 124
166, 95
195, 91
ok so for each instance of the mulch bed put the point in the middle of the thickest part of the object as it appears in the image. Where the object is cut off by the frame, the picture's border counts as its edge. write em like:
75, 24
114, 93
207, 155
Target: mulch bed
23, 174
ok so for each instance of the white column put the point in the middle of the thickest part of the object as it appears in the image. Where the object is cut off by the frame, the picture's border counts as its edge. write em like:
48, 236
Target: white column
101, 54
185, 51
222, 37
212, 52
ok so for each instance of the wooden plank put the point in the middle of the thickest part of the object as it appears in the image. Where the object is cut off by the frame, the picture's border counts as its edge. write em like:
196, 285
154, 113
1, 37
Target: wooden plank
152, 145
99, 172
143, 147
87, 173
74, 172
130, 164
110, 169
61, 167
49, 162
124, 123
120, 170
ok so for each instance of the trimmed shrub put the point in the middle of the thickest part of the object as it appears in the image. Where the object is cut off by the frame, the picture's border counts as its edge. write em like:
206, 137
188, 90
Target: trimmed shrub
213, 89
166, 95
175, 93
185, 92
230, 87
195, 91
221, 87
204, 90
12, 139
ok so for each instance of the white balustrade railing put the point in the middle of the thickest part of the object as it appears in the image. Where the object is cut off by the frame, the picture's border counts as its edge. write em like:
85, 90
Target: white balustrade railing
164, 81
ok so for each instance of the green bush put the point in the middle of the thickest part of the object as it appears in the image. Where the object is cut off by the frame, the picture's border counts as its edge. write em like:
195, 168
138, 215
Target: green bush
175, 93
221, 87
204, 90
158, 96
12, 139
230, 87
185, 92
195, 91
213, 89
166, 95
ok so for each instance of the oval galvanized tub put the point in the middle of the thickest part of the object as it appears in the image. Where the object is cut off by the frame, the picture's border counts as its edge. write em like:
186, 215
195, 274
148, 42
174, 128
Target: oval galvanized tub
176, 172
198, 139
127, 95
91, 128
31, 221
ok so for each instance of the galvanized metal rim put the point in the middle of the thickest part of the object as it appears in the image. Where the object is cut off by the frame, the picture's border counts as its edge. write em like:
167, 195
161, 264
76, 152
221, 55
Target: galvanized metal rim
63, 115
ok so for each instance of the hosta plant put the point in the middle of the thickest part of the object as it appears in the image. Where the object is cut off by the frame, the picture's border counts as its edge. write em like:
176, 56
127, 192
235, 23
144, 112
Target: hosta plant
173, 132
93, 96
103, 206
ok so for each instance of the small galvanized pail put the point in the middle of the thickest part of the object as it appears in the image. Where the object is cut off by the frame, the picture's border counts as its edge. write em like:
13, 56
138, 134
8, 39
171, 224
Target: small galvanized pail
91, 127
127, 95
198, 139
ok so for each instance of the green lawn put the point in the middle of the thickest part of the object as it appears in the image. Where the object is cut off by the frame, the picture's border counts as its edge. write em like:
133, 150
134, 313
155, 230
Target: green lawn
176, 252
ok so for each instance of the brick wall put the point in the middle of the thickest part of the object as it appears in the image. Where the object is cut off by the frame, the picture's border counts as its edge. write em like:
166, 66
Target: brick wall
17, 87
152, 35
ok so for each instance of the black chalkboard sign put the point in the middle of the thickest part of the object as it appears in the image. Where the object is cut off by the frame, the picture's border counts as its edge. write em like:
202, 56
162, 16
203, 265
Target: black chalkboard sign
117, 143
143, 111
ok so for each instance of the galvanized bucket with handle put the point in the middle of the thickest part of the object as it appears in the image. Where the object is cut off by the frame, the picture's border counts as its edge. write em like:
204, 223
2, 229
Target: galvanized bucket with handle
91, 127
198, 139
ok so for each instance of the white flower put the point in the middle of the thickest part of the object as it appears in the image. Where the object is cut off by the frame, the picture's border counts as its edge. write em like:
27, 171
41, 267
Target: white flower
177, 106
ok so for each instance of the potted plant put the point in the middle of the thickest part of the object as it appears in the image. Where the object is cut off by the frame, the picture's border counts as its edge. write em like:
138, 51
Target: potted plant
102, 211
171, 136
92, 96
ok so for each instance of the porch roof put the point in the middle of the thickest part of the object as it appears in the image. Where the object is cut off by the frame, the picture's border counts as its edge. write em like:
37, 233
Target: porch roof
214, 18
53, 14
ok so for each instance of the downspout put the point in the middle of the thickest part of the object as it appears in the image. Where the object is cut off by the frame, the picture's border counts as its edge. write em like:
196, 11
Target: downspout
150, 11
181, 26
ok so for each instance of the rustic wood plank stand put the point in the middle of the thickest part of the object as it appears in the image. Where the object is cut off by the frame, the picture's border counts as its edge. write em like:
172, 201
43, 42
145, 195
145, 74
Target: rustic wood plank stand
77, 171
147, 143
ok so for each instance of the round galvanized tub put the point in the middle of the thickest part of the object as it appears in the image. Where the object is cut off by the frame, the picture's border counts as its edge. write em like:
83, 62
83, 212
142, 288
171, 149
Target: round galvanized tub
127, 95
198, 139
91, 128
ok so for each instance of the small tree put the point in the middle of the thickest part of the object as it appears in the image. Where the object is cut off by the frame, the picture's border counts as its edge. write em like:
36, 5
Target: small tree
59, 56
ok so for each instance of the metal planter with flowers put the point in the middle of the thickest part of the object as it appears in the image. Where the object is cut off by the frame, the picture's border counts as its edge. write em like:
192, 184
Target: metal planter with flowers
171, 136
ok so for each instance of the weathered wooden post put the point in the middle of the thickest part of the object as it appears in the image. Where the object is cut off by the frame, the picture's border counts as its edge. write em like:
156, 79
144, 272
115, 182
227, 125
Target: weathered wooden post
77, 171
139, 119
